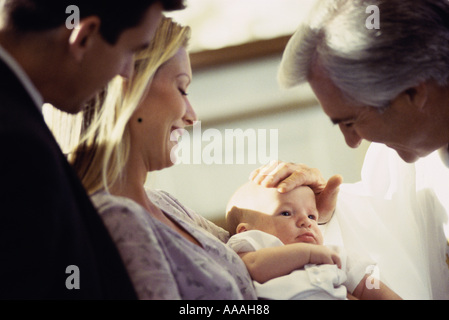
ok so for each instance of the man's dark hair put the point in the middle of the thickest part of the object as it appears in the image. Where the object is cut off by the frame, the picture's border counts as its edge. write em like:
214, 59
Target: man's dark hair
40, 15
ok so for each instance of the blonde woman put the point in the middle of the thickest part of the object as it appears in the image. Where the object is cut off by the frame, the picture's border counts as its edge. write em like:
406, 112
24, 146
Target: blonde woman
170, 252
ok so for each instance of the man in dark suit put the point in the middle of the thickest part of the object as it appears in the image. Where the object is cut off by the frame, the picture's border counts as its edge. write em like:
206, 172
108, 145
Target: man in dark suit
53, 244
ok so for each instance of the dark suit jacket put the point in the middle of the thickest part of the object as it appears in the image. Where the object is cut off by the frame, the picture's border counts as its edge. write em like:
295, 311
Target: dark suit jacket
47, 222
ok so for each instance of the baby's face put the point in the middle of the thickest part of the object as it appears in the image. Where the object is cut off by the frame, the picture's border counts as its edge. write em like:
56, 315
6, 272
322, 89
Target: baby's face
292, 217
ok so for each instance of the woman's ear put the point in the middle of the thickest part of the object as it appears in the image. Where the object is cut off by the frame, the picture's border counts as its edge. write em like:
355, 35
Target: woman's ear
242, 227
82, 37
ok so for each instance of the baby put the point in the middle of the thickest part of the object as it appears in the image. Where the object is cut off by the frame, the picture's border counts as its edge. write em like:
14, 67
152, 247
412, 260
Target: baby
278, 238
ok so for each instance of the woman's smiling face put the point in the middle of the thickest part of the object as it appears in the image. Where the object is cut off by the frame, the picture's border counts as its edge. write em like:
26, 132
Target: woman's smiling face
164, 110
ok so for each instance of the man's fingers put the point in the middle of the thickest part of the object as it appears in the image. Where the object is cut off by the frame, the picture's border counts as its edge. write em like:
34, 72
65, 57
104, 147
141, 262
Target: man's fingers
273, 173
296, 179
303, 177
288, 176
263, 174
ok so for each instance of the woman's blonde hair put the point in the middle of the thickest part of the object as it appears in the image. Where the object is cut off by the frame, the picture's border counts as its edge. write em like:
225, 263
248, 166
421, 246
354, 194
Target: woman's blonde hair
103, 146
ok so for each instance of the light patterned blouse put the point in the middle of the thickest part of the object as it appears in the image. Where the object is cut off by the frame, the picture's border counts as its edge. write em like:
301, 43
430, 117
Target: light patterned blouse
161, 263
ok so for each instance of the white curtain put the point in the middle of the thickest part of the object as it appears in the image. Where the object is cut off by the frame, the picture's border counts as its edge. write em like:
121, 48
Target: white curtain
398, 215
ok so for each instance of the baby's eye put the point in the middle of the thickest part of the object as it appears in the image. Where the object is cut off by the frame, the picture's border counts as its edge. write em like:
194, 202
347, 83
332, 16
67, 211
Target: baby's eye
286, 214
312, 217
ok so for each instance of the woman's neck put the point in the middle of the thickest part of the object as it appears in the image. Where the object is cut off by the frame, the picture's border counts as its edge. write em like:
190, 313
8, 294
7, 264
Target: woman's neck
131, 184
132, 187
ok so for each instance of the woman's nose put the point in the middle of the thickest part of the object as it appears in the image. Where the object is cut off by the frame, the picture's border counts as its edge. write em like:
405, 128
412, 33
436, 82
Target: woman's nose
190, 115
352, 138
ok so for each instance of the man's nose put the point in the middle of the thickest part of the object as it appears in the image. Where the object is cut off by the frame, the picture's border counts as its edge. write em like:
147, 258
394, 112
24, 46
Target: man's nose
352, 138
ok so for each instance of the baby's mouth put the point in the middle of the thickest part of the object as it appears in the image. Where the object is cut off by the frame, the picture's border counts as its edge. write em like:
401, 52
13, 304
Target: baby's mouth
307, 237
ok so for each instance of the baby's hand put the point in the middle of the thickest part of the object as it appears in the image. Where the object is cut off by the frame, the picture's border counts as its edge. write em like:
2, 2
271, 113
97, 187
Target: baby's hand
323, 255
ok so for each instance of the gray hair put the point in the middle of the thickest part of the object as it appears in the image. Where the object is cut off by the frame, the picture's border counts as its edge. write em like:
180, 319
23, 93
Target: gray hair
371, 66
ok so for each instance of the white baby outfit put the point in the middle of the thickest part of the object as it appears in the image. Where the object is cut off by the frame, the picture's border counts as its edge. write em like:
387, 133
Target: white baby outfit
313, 282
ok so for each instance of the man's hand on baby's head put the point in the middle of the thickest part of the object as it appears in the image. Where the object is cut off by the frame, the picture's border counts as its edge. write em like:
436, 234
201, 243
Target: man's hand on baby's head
288, 176
319, 254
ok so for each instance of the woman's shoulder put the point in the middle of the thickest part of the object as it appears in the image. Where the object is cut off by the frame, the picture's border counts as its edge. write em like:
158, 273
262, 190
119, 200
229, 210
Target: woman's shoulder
122, 215
171, 205
104, 200
108, 204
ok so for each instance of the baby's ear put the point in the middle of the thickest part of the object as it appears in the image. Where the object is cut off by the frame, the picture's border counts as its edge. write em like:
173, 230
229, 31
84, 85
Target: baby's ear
242, 227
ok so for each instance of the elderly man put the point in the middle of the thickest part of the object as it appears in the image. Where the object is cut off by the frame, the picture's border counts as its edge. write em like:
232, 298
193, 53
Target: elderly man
388, 84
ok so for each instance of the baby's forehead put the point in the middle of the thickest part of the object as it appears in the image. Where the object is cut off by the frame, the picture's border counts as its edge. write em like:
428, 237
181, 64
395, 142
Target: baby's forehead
300, 197
251, 196
255, 191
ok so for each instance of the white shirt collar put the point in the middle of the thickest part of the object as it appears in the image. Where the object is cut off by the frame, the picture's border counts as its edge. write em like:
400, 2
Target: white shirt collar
23, 77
